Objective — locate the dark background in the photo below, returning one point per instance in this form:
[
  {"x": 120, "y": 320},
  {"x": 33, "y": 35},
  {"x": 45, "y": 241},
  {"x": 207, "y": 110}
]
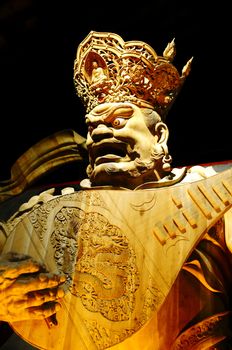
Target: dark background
[{"x": 38, "y": 42}]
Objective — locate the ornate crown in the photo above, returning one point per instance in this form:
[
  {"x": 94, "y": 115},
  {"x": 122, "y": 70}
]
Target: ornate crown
[{"x": 107, "y": 69}]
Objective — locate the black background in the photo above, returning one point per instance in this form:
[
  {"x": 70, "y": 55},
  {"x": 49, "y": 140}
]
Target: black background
[{"x": 38, "y": 42}]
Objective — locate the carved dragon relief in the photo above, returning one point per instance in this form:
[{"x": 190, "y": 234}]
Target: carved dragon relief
[
  {"x": 92, "y": 239},
  {"x": 99, "y": 261},
  {"x": 121, "y": 251}
]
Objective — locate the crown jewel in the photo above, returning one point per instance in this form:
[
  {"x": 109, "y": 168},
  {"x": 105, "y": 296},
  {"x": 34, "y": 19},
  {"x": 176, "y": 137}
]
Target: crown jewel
[{"x": 107, "y": 69}]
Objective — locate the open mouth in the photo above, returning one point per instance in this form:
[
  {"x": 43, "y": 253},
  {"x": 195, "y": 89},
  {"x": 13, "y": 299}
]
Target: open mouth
[{"x": 106, "y": 152}]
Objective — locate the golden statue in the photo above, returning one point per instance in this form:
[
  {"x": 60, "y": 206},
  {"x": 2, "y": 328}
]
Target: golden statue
[{"x": 140, "y": 256}]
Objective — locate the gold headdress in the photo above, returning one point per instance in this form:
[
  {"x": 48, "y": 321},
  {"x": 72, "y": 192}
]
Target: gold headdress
[{"x": 107, "y": 69}]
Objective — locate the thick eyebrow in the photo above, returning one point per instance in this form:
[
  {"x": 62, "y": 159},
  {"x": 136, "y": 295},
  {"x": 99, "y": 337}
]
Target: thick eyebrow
[{"x": 123, "y": 112}]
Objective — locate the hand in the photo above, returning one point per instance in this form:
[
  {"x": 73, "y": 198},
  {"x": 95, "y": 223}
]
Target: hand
[{"x": 27, "y": 291}]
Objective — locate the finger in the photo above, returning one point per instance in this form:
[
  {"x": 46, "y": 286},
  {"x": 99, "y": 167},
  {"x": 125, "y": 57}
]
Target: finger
[
  {"x": 39, "y": 298},
  {"x": 5, "y": 283},
  {"x": 13, "y": 270},
  {"x": 35, "y": 283},
  {"x": 44, "y": 311},
  {"x": 36, "y": 312}
]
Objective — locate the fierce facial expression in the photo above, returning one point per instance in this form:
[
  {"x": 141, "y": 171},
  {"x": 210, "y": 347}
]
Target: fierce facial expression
[{"x": 120, "y": 144}]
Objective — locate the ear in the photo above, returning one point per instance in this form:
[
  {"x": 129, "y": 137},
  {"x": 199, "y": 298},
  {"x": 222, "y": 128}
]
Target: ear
[{"x": 162, "y": 132}]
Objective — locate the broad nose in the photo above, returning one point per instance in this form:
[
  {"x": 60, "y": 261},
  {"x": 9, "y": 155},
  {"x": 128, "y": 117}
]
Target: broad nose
[{"x": 101, "y": 132}]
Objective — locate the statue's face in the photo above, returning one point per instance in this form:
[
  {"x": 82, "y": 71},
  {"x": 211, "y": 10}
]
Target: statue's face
[{"x": 120, "y": 144}]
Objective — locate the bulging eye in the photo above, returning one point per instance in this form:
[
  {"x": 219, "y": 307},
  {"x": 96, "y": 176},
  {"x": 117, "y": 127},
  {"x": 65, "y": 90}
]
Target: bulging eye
[{"x": 118, "y": 123}]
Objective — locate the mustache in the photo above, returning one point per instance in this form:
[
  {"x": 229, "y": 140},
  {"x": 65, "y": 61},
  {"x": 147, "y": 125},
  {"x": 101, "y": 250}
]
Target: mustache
[{"x": 132, "y": 169}]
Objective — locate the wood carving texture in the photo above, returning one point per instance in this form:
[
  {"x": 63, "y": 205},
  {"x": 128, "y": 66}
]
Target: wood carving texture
[
  {"x": 47, "y": 155},
  {"x": 121, "y": 251}
]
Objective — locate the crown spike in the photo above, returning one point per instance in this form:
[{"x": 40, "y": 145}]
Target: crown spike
[
  {"x": 187, "y": 68},
  {"x": 108, "y": 69},
  {"x": 170, "y": 51}
]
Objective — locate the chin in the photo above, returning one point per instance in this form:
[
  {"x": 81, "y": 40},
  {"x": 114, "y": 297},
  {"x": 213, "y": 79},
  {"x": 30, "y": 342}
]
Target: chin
[{"x": 120, "y": 175}]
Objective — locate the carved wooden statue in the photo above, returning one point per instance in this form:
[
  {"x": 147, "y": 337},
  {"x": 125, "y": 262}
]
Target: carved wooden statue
[{"x": 140, "y": 257}]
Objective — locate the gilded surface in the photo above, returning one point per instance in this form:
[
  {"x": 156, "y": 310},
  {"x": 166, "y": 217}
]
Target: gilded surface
[
  {"x": 147, "y": 265},
  {"x": 107, "y": 69},
  {"x": 120, "y": 261}
]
